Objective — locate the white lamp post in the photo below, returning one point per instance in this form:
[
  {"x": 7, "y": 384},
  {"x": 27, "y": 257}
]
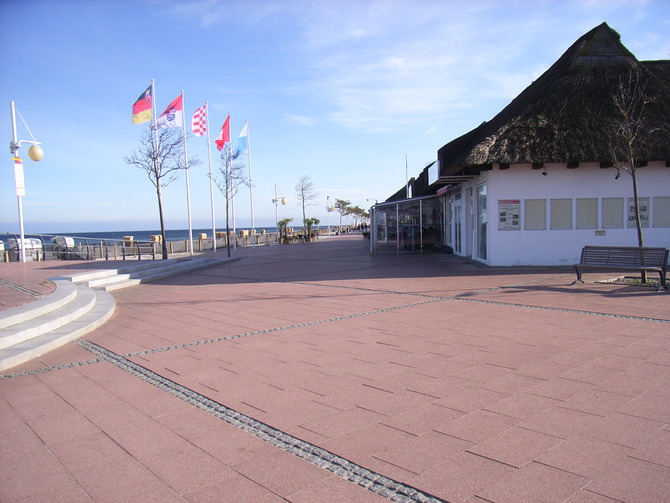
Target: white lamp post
[
  {"x": 35, "y": 153},
  {"x": 276, "y": 200},
  {"x": 329, "y": 208}
]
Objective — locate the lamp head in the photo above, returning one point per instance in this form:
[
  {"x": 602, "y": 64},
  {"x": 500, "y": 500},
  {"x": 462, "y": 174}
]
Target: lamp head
[
  {"x": 36, "y": 153},
  {"x": 283, "y": 200}
]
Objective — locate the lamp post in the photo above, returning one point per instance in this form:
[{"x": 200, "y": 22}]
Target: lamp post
[
  {"x": 276, "y": 200},
  {"x": 329, "y": 209},
  {"x": 35, "y": 153}
]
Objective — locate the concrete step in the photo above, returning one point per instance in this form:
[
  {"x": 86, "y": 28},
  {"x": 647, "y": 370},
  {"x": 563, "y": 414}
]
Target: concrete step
[
  {"x": 131, "y": 267},
  {"x": 32, "y": 348},
  {"x": 153, "y": 272},
  {"x": 83, "y": 301},
  {"x": 65, "y": 292}
]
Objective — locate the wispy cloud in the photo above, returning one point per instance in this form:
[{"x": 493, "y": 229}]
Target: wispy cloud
[
  {"x": 299, "y": 120},
  {"x": 395, "y": 63},
  {"x": 379, "y": 66}
]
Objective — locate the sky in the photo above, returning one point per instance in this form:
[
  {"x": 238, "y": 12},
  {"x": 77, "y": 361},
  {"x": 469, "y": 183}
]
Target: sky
[{"x": 354, "y": 94}]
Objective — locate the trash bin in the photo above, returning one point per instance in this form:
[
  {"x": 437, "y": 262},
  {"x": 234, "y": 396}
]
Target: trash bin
[{"x": 32, "y": 249}]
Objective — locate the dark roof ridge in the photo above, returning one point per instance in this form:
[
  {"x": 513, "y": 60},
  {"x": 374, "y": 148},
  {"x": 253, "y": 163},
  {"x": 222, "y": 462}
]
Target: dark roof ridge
[
  {"x": 600, "y": 45},
  {"x": 567, "y": 114}
]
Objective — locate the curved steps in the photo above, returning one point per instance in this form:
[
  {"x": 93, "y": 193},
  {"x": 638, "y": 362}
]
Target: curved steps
[
  {"x": 79, "y": 304},
  {"x": 53, "y": 322}
]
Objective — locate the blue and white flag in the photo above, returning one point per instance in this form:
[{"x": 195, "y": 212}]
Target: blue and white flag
[{"x": 243, "y": 139}]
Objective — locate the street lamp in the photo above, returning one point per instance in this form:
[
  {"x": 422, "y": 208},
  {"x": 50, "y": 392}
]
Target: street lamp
[
  {"x": 328, "y": 210},
  {"x": 276, "y": 200},
  {"x": 35, "y": 153}
]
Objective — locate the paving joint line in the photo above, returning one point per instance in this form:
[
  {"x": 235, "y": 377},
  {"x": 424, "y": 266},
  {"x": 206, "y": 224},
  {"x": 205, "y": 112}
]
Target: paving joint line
[
  {"x": 348, "y": 470},
  {"x": 19, "y": 288}
]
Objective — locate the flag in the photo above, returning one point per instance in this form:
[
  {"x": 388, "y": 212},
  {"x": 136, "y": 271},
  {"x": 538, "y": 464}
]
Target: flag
[
  {"x": 173, "y": 116},
  {"x": 199, "y": 121},
  {"x": 142, "y": 107},
  {"x": 224, "y": 134},
  {"x": 243, "y": 139}
]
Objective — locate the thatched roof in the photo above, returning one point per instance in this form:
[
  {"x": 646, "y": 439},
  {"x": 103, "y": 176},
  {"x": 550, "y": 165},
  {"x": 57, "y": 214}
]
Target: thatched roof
[{"x": 568, "y": 115}]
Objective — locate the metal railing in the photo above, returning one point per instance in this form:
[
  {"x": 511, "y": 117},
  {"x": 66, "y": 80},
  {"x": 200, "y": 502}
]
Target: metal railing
[{"x": 58, "y": 247}]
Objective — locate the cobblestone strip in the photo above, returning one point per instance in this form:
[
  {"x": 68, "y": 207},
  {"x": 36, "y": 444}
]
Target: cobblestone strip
[
  {"x": 225, "y": 338},
  {"x": 48, "y": 369},
  {"x": 19, "y": 288},
  {"x": 467, "y": 297},
  {"x": 564, "y": 310},
  {"x": 372, "y": 481},
  {"x": 286, "y": 327}
]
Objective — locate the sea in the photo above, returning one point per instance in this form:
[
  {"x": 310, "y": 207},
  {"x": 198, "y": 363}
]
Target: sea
[{"x": 170, "y": 234}]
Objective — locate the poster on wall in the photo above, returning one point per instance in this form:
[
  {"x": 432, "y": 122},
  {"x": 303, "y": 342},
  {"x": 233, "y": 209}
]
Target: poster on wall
[
  {"x": 643, "y": 203},
  {"x": 509, "y": 211}
]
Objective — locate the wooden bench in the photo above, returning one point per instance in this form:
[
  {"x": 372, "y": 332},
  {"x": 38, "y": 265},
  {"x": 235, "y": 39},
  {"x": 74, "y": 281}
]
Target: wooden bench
[{"x": 624, "y": 258}]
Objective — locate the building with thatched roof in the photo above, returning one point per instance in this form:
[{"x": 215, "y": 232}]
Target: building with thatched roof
[{"x": 551, "y": 172}]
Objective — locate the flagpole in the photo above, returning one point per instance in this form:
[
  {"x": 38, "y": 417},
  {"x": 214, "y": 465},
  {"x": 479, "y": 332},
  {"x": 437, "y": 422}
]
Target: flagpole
[
  {"x": 211, "y": 176},
  {"x": 188, "y": 185},
  {"x": 251, "y": 187},
  {"x": 153, "y": 119},
  {"x": 232, "y": 189},
  {"x": 153, "y": 115},
  {"x": 158, "y": 187}
]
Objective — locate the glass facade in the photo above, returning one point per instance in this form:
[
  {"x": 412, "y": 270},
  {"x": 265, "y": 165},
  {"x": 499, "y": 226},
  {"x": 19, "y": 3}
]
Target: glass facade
[{"x": 409, "y": 226}]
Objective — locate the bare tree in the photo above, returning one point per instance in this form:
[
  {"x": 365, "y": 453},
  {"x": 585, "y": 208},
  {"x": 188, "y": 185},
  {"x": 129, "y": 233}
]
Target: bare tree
[
  {"x": 633, "y": 132},
  {"x": 306, "y": 194},
  {"x": 229, "y": 177},
  {"x": 161, "y": 156}
]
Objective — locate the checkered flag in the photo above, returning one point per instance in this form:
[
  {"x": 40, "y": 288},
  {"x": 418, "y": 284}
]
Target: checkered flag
[{"x": 199, "y": 121}]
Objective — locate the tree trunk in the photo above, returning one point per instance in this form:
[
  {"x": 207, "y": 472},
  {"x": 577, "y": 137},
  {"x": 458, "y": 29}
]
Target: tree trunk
[
  {"x": 160, "y": 216},
  {"x": 228, "y": 228},
  {"x": 638, "y": 220}
]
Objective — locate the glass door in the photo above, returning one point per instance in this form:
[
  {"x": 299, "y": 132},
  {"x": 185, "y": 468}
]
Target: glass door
[
  {"x": 482, "y": 222},
  {"x": 457, "y": 228}
]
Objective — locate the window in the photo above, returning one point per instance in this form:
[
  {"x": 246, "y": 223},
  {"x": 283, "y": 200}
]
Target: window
[
  {"x": 612, "y": 210},
  {"x": 535, "y": 214},
  {"x": 661, "y": 212},
  {"x": 561, "y": 214},
  {"x": 587, "y": 213}
]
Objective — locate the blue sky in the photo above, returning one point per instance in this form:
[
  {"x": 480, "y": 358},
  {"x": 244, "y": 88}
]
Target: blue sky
[{"x": 340, "y": 91}]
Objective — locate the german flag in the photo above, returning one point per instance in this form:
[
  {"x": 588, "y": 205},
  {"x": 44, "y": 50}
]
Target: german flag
[{"x": 142, "y": 107}]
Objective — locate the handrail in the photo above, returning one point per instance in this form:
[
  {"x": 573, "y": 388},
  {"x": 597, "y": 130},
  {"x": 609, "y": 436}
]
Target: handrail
[{"x": 91, "y": 248}]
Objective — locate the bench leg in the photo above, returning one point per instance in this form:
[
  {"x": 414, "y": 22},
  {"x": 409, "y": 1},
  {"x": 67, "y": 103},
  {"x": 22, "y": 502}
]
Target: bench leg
[{"x": 579, "y": 276}]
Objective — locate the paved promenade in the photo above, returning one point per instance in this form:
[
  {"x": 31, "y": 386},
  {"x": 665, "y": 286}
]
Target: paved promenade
[{"x": 316, "y": 373}]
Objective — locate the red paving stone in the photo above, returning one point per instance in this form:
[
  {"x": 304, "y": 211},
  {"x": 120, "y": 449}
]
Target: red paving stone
[{"x": 472, "y": 384}]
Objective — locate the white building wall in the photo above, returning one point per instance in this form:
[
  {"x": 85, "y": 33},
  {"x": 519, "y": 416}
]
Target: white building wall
[{"x": 563, "y": 247}]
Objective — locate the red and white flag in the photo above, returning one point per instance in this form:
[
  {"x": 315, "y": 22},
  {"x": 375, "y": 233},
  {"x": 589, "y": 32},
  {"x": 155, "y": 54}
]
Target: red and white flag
[
  {"x": 224, "y": 134},
  {"x": 199, "y": 121},
  {"x": 173, "y": 116}
]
